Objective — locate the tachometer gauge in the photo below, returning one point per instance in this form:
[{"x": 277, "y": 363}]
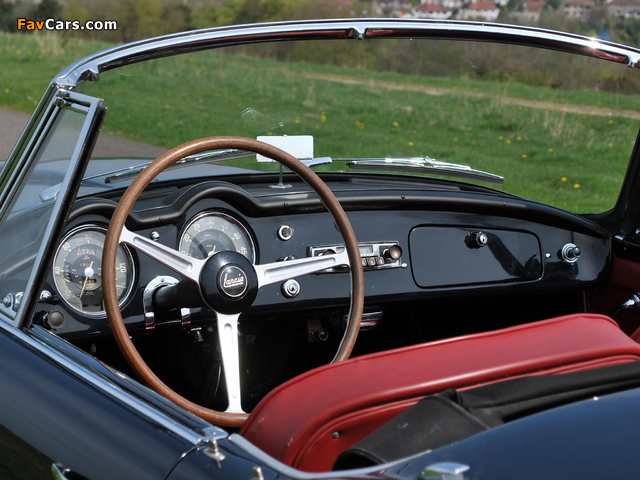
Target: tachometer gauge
[
  {"x": 77, "y": 270},
  {"x": 213, "y": 232}
]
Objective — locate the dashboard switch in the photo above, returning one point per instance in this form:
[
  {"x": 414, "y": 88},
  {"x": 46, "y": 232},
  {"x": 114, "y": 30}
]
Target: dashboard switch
[{"x": 570, "y": 253}]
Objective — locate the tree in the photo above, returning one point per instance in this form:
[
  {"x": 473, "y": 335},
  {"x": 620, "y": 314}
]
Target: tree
[
  {"x": 46, "y": 9},
  {"x": 7, "y": 17}
]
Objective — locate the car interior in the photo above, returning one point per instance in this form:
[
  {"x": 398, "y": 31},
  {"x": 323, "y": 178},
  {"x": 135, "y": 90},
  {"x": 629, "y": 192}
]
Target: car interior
[{"x": 464, "y": 284}]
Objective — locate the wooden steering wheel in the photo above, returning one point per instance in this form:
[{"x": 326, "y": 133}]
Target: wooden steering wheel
[{"x": 227, "y": 282}]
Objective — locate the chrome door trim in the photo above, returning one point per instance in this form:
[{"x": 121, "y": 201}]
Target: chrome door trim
[{"x": 90, "y": 67}]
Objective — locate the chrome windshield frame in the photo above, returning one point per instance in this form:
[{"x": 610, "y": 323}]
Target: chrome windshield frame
[{"x": 90, "y": 67}]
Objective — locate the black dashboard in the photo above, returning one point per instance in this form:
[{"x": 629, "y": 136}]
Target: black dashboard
[{"x": 417, "y": 241}]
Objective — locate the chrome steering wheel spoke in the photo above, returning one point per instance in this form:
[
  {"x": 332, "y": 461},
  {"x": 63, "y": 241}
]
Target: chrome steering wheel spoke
[
  {"x": 184, "y": 265},
  {"x": 228, "y": 338},
  {"x": 275, "y": 272}
]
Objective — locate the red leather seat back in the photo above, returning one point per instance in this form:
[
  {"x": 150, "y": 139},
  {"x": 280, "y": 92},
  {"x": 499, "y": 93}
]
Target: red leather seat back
[{"x": 309, "y": 420}]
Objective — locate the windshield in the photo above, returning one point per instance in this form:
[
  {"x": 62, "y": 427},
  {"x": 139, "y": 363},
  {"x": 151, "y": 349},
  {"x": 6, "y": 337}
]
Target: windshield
[{"x": 560, "y": 128}]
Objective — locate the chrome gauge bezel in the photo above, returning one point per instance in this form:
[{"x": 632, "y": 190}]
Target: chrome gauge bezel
[
  {"x": 127, "y": 252},
  {"x": 231, "y": 218}
]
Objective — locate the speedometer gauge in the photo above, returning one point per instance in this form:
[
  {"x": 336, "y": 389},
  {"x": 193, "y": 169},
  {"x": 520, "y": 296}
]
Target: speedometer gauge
[
  {"x": 213, "y": 232},
  {"x": 77, "y": 270}
]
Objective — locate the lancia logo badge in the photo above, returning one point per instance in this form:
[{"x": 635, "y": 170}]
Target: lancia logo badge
[{"x": 232, "y": 281}]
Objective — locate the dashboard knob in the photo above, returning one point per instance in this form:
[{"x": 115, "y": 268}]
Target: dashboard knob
[
  {"x": 570, "y": 253},
  {"x": 392, "y": 253},
  {"x": 322, "y": 334},
  {"x": 290, "y": 288}
]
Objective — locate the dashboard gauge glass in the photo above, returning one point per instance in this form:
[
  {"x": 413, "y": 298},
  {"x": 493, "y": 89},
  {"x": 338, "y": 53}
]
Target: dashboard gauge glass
[
  {"x": 213, "y": 232},
  {"x": 77, "y": 271}
]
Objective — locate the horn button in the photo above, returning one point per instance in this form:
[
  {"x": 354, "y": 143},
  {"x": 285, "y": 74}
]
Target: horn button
[{"x": 228, "y": 282}]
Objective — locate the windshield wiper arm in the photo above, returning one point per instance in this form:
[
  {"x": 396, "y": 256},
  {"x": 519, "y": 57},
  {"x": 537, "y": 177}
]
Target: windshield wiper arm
[
  {"x": 217, "y": 156},
  {"x": 127, "y": 173},
  {"x": 422, "y": 165}
]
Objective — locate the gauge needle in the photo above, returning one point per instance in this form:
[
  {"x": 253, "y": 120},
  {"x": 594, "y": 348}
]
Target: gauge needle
[
  {"x": 213, "y": 251},
  {"x": 85, "y": 282}
]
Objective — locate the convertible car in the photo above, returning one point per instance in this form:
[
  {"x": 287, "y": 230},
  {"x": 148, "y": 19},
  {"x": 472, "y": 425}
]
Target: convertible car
[{"x": 367, "y": 249}]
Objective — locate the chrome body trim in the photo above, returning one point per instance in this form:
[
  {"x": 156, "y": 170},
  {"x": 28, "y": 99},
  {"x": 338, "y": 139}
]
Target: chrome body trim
[
  {"x": 379, "y": 471},
  {"x": 90, "y": 67}
]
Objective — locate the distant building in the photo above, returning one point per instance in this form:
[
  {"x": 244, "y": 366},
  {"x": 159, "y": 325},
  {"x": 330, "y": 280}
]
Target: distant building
[
  {"x": 578, "y": 9},
  {"x": 448, "y": 4},
  {"x": 624, "y": 9},
  {"x": 530, "y": 12},
  {"x": 499, "y": 3},
  {"x": 431, "y": 10},
  {"x": 392, "y": 8},
  {"x": 481, "y": 10}
]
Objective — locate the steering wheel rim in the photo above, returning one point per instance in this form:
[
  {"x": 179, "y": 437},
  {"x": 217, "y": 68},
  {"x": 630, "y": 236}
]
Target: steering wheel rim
[{"x": 266, "y": 274}]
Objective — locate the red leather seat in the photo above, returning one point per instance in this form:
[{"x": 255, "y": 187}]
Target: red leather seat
[{"x": 309, "y": 420}]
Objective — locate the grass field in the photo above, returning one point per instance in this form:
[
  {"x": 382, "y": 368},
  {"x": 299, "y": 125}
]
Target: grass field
[{"x": 566, "y": 148}]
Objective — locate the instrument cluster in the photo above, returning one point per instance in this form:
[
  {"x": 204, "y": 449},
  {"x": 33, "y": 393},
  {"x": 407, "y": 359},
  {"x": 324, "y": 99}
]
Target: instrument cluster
[{"x": 77, "y": 264}]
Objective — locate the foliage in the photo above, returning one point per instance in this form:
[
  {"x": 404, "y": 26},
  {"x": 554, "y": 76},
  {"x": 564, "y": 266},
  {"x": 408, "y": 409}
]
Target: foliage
[{"x": 7, "y": 17}]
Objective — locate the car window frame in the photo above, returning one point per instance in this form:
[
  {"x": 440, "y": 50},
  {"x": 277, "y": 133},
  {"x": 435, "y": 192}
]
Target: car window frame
[{"x": 20, "y": 163}]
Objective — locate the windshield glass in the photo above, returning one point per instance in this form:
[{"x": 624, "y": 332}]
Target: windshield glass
[{"x": 560, "y": 128}]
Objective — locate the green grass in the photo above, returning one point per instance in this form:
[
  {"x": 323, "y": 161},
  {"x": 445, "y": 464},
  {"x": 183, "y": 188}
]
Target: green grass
[{"x": 572, "y": 160}]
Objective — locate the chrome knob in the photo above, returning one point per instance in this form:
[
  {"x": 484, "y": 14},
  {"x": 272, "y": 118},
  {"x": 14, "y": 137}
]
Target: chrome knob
[
  {"x": 392, "y": 253},
  {"x": 570, "y": 253},
  {"x": 285, "y": 232},
  {"x": 290, "y": 288}
]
